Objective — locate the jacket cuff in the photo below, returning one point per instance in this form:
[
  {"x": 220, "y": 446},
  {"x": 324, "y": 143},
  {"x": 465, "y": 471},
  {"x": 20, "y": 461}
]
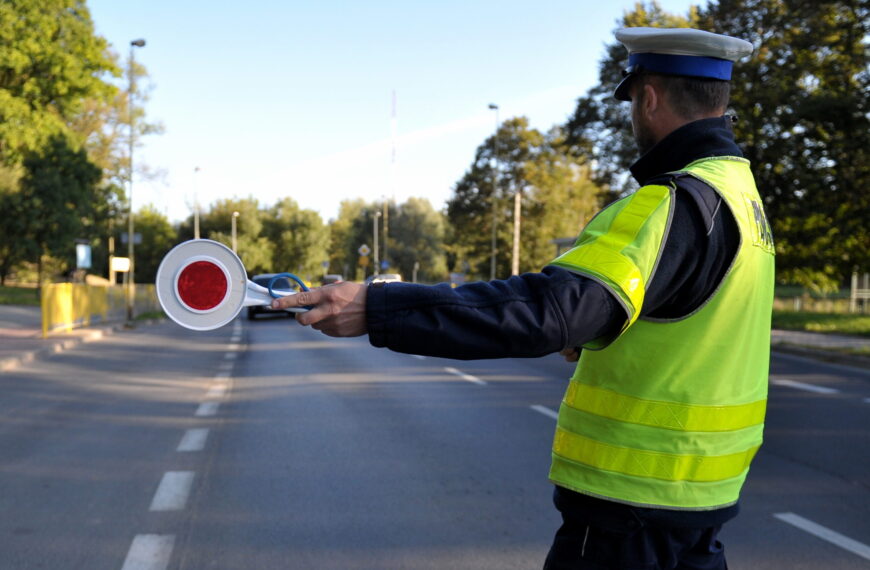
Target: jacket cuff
[{"x": 376, "y": 314}]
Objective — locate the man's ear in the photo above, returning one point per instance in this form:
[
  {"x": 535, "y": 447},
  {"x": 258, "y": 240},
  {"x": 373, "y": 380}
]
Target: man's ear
[{"x": 651, "y": 101}]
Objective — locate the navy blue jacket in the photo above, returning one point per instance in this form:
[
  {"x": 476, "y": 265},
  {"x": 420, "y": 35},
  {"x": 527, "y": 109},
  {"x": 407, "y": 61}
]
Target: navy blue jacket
[{"x": 535, "y": 314}]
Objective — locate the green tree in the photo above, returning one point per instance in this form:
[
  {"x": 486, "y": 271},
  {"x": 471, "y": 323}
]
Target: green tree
[
  {"x": 299, "y": 237},
  {"x": 557, "y": 198},
  {"x": 561, "y": 198},
  {"x": 804, "y": 105},
  {"x": 254, "y": 249},
  {"x": 416, "y": 236},
  {"x": 158, "y": 237},
  {"x": 15, "y": 246},
  {"x": 600, "y": 126},
  {"x": 351, "y": 229},
  {"x": 50, "y": 62},
  {"x": 58, "y": 193},
  {"x": 803, "y": 102},
  {"x": 103, "y": 125}
]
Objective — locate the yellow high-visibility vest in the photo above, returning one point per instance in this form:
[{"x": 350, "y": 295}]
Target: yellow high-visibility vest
[{"x": 670, "y": 413}]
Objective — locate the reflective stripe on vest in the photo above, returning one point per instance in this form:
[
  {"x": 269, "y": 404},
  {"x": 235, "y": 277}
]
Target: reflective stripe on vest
[
  {"x": 668, "y": 415},
  {"x": 644, "y": 463}
]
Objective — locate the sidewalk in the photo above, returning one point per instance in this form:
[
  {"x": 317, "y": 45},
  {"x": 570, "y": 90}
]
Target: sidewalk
[
  {"x": 21, "y": 340},
  {"x": 823, "y": 346},
  {"x": 21, "y": 336}
]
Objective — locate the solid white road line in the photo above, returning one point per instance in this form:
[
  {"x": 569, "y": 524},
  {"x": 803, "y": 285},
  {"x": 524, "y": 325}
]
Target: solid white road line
[
  {"x": 464, "y": 376},
  {"x": 825, "y": 533},
  {"x": 172, "y": 492},
  {"x": 207, "y": 409},
  {"x": 149, "y": 552},
  {"x": 546, "y": 411},
  {"x": 216, "y": 391},
  {"x": 193, "y": 440},
  {"x": 806, "y": 387}
]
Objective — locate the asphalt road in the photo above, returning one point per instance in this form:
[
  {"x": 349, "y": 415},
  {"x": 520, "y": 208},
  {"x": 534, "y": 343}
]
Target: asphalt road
[{"x": 266, "y": 445}]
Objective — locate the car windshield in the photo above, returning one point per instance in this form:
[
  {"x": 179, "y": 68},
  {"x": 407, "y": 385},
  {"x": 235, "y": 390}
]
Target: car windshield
[{"x": 281, "y": 284}]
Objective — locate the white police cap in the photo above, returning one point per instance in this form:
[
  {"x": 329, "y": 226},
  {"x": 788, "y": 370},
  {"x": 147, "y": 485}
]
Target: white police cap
[{"x": 678, "y": 51}]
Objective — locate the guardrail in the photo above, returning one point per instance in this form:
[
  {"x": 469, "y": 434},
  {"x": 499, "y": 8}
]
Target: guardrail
[{"x": 66, "y": 306}]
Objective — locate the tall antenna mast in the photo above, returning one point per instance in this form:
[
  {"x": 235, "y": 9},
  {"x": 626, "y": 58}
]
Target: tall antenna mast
[{"x": 393, "y": 131}]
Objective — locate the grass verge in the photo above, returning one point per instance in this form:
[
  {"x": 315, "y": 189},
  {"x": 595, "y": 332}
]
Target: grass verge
[
  {"x": 10, "y": 295},
  {"x": 150, "y": 315},
  {"x": 853, "y": 324}
]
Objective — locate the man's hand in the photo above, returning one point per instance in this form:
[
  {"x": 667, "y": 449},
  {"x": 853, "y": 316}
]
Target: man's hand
[
  {"x": 571, "y": 354},
  {"x": 339, "y": 309}
]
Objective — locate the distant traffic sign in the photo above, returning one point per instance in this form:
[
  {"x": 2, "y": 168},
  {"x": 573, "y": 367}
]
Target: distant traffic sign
[{"x": 364, "y": 250}]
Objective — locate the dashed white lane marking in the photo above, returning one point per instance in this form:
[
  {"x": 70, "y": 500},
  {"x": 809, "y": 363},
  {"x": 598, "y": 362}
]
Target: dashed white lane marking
[
  {"x": 216, "y": 391},
  {"x": 419, "y": 356},
  {"x": 236, "y": 338},
  {"x": 805, "y": 387},
  {"x": 173, "y": 490},
  {"x": 546, "y": 411},
  {"x": 207, "y": 409},
  {"x": 825, "y": 533},
  {"x": 464, "y": 376},
  {"x": 222, "y": 376},
  {"x": 226, "y": 366},
  {"x": 149, "y": 552},
  {"x": 193, "y": 440},
  {"x": 230, "y": 356}
]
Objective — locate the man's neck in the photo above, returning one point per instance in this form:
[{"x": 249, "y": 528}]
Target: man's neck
[{"x": 686, "y": 144}]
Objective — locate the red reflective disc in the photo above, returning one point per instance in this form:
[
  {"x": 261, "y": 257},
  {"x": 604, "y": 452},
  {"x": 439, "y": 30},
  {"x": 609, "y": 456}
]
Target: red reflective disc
[{"x": 202, "y": 285}]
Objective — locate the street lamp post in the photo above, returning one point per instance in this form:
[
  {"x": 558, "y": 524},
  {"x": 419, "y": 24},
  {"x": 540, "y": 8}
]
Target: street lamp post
[
  {"x": 132, "y": 84},
  {"x": 494, "y": 107},
  {"x": 386, "y": 227},
  {"x": 375, "y": 258},
  {"x": 235, "y": 248}
]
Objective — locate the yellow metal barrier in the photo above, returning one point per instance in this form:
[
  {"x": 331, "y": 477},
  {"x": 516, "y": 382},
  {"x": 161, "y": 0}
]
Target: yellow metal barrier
[{"x": 66, "y": 306}]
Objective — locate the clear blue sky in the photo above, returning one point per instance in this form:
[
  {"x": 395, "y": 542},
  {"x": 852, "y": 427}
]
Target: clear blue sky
[{"x": 291, "y": 98}]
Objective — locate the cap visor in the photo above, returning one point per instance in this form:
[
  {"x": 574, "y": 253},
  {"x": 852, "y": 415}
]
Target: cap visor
[{"x": 622, "y": 92}]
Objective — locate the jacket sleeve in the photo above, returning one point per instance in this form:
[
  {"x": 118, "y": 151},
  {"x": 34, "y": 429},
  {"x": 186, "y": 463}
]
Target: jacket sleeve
[{"x": 528, "y": 315}]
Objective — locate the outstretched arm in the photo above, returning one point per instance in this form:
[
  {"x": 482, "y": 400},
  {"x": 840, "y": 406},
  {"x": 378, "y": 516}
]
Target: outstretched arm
[{"x": 525, "y": 316}]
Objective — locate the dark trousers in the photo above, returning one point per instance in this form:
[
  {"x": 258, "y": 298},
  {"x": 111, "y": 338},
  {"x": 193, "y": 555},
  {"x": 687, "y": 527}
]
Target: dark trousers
[{"x": 634, "y": 544}]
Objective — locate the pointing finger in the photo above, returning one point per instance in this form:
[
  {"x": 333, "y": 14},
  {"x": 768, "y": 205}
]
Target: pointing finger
[{"x": 301, "y": 299}]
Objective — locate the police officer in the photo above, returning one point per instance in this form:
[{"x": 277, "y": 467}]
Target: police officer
[{"x": 669, "y": 290}]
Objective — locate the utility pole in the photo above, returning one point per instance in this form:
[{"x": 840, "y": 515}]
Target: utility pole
[
  {"x": 386, "y": 227},
  {"x": 375, "y": 232},
  {"x": 130, "y": 234},
  {"x": 515, "y": 261},
  {"x": 494, "y": 107}
]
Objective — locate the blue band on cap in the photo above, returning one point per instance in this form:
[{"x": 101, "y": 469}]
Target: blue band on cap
[{"x": 690, "y": 65}]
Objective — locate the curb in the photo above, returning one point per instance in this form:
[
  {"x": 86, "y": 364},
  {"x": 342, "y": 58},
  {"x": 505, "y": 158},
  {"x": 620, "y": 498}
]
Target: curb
[
  {"x": 88, "y": 335},
  {"x": 829, "y": 356}
]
